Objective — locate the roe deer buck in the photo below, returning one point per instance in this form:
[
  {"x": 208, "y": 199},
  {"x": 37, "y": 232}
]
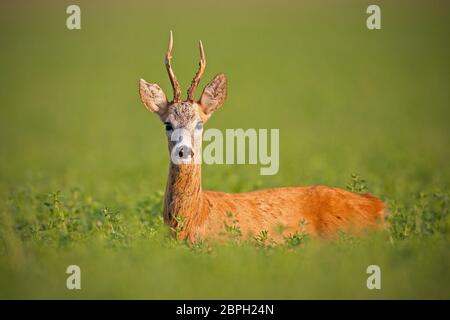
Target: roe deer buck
[{"x": 204, "y": 214}]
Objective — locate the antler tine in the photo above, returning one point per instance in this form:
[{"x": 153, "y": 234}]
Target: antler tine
[
  {"x": 198, "y": 75},
  {"x": 172, "y": 77}
]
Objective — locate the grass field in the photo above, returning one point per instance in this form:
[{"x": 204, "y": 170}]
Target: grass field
[{"x": 83, "y": 165}]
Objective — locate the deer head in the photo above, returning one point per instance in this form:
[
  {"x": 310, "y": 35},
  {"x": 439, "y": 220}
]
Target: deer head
[{"x": 184, "y": 119}]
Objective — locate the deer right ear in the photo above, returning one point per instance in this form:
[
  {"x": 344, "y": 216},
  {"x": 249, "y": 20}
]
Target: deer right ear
[{"x": 152, "y": 97}]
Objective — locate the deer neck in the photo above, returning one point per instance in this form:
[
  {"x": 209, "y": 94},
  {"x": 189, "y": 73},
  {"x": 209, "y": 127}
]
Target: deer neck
[{"x": 183, "y": 199}]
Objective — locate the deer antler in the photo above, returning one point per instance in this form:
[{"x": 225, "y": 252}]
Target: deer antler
[
  {"x": 172, "y": 77},
  {"x": 198, "y": 75}
]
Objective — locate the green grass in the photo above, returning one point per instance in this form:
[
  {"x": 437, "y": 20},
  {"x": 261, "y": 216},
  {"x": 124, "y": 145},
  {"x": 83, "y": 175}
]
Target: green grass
[{"x": 83, "y": 164}]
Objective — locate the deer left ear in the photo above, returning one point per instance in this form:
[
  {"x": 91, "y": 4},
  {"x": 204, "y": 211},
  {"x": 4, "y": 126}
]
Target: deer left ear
[{"x": 214, "y": 94}]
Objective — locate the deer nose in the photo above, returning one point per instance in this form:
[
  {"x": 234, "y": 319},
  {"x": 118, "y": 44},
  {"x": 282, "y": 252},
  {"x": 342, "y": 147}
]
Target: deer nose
[{"x": 184, "y": 152}]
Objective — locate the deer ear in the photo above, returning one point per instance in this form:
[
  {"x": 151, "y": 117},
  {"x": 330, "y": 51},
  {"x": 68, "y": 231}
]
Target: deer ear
[
  {"x": 152, "y": 97},
  {"x": 214, "y": 94}
]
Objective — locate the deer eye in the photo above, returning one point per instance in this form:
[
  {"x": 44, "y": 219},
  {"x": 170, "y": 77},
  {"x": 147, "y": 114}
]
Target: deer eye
[
  {"x": 169, "y": 126},
  {"x": 199, "y": 126}
]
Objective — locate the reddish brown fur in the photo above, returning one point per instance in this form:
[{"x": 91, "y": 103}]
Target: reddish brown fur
[{"x": 279, "y": 211}]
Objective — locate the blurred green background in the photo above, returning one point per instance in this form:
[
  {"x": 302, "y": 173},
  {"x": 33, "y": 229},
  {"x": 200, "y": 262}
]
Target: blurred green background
[{"x": 346, "y": 100}]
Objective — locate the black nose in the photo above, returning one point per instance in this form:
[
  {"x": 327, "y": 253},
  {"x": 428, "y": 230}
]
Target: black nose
[{"x": 184, "y": 152}]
